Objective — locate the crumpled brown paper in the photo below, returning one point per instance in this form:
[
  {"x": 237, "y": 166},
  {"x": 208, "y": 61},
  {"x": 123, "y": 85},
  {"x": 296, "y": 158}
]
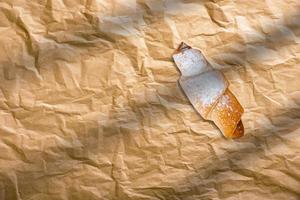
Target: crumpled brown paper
[{"x": 91, "y": 109}]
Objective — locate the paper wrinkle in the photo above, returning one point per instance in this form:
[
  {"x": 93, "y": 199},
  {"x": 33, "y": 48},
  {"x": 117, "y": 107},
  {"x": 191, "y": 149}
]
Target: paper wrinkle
[{"x": 90, "y": 107}]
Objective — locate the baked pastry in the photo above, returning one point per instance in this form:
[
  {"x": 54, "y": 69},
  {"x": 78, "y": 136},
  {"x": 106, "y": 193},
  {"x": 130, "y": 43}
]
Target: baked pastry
[{"x": 207, "y": 90}]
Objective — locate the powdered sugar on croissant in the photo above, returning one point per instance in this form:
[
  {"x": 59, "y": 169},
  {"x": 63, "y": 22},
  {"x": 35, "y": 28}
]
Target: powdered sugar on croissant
[
  {"x": 203, "y": 90},
  {"x": 207, "y": 90}
]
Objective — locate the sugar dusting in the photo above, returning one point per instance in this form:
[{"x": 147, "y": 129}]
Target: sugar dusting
[
  {"x": 224, "y": 102},
  {"x": 202, "y": 85},
  {"x": 191, "y": 62},
  {"x": 205, "y": 89}
]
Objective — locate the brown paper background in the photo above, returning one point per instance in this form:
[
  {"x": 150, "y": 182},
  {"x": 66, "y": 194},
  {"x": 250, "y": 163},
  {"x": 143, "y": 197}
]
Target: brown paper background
[{"x": 90, "y": 107}]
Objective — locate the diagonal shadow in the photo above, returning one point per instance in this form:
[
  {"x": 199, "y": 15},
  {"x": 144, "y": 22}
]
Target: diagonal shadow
[{"x": 262, "y": 140}]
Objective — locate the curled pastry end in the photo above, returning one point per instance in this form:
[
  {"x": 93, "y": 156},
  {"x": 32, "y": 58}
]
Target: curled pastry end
[
  {"x": 239, "y": 130},
  {"x": 183, "y": 46}
]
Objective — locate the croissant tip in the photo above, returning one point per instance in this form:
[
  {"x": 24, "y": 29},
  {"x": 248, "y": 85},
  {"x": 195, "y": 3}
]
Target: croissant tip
[
  {"x": 239, "y": 131},
  {"x": 183, "y": 46}
]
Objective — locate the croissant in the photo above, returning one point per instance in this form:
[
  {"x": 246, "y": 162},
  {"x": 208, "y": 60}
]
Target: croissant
[{"x": 207, "y": 90}]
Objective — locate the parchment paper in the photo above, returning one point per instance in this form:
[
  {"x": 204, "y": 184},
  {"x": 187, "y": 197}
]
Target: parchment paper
[{"x": 90, "y": 107}]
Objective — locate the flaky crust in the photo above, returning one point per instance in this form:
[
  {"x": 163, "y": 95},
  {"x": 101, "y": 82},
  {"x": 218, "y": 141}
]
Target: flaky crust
[{"x": 227, "y": 114}]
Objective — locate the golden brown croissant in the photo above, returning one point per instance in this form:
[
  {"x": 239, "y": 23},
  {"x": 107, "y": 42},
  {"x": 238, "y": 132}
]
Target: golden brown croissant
[{"x": 207, "y": 90}]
